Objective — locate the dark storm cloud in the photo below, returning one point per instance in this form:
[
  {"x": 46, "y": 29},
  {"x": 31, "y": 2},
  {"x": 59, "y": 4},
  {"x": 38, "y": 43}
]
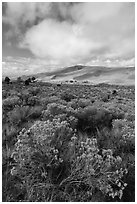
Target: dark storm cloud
[{"x": 4, "y": 5}]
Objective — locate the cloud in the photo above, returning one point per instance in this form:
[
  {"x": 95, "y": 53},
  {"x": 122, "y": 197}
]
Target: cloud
[
  {"x": 60, "y": 41},
  {"x": 22, "y": 13},
  {"x": 94, "y": 12},
  {"x": 71, "y": 33},
  {"x": 17, "y": 66},
  {"x": 111, "y": 63}
]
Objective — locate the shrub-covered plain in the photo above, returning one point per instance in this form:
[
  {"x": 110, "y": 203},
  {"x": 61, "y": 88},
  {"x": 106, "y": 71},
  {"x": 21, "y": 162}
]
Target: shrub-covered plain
[{"x": 71, "y": 143}]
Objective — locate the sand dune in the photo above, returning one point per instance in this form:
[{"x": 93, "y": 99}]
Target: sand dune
[{"x": 93, "y": 74}]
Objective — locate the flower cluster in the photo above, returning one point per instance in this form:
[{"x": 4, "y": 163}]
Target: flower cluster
[
  {"x": 97, "y": 169},
  {"x": 61, "y": 112},
  {"x": 125, "y": 129},
  {"x": 41, "y": 147}
]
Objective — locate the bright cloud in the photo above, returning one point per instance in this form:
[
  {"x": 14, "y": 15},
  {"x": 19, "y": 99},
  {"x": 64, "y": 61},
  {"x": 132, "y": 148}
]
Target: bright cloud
[
  {"x": 58, "y": 41},
  {"x": 18, "y": 66}
]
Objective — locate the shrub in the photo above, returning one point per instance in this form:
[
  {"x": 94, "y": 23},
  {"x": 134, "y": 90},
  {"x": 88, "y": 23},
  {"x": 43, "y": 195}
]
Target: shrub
[
  {"x": 92, "y": 100},
  {"x": 22, "y": 114},
  {"x": 50, "y": 158},
  {"x": 19, "y": 115},
  {"x": 105, "y": 98},
  {"x": 25, "y": 94},
  {"x": 83, "y": 102},
  {"x": 9, "y": 134},
  {"x": 35, "y": 112},
  {"x": 44, "y": 102},
  {"x": 34, "y": 91},
  {"x": 54, "y": 99},
  {"x": 71, "y": 81},
  {"x": 123, "y": 134},
  {"x": 129, "y": 192},
  {"x": 73, "y": 104},
  {"x": 5, "y": 94},
  {"x": 43, "y": 150},
  {"x": 33, "y": 100},
  {"x": 19, "y": 80},
  {"x": 33, "y": 78},
  {"x": 114, "y": 92},
  {"x": 90, "y": 119},
  {"x": 27, "y": 81},
  {"x": 7, "y": 80},
  {"x": 10, "y": 102},
  {"x": 89, "y": 166},
  {"x": 67, "y": 96},
  {"x": 121, "y": 138},
  {"x": 116, "y": 111},
  {"x": 13, "y": 93},
  {"x": 130, "y": 117},
  {"x": 10, "y": 184},
  {"x": 54, "y": 109}
]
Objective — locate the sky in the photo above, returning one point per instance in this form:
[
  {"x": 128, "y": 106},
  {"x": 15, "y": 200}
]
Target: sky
[{"x": 44, "y": 36}]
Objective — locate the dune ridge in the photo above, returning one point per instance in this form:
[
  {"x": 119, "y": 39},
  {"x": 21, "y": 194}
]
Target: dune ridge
[{"x": 92, "y": 74}]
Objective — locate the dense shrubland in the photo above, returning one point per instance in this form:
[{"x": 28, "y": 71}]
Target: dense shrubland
[{"x": 68, "y": 143}]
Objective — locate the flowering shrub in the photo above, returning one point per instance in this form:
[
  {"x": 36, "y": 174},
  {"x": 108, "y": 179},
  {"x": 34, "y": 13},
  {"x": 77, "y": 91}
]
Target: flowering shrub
[
  {"x": 126, "y": 127},
  {"x": 41, "y": 151},
  {"x": 124, "y": 137},
  {"x": 121, "y": 138},
  {"x": 120, "y": 111},
  {"x": 123, "y": 134},
  {"x": 54, "y": 109},
  {"x": 101, "y": 171},
  {"x": 50, "y": 154},
  {"x": 61, "y": 112}
]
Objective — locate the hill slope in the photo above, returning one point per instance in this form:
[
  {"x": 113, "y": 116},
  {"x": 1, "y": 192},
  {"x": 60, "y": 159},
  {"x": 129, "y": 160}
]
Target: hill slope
[{"x": 93, "y": 74}]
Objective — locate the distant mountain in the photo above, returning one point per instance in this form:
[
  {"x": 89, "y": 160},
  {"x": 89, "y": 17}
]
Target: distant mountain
[{"x": 93, "y": 74}]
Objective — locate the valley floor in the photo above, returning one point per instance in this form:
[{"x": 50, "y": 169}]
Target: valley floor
[{"x": 68, "y": 142}]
